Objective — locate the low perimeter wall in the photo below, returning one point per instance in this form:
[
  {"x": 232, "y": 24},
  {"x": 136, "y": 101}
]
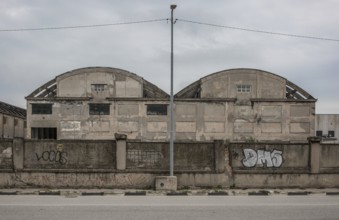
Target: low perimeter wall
[{"x": 132, "y": 164}]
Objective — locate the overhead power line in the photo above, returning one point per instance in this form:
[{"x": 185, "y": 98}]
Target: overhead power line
[
  {"x": 259, "y": 31},
  {"x": 82, "y": 26},
  {"x": 166, "y": 19}
]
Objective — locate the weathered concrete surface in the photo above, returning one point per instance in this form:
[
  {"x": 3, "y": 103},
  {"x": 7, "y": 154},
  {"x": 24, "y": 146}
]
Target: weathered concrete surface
[
  {"x": 329, "y": 162},
  {"x": 18, "y": 155},
  {"x": 270, "y": 158},
  {"x": 286, "y": 180},
  {"x": 69, "y": 154},
  {"x": 76, "y": 180},
  {"x": 101, "y": 179},
  {"x": 204, "y": 180},
  {"x": 166, "y": 183},
  {"x": 189, "y": 156},
  {"x": 6, "y": 154},
  {"x": 121, "y": 151}
]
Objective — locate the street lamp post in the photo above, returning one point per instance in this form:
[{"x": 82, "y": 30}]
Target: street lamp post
[{"x": 171, "y": 98}]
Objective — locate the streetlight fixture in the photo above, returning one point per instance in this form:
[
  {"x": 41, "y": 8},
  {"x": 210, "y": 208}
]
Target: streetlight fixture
[
  {"x": 169, "y": 182},
  {"x": 171, "y": 98}
]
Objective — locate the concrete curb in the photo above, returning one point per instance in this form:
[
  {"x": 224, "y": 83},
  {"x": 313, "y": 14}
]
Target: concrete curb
[{"x": 198, "y": 192}]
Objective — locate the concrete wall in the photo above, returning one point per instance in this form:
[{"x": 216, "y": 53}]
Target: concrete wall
[
  {"x": 189, "y": 157},
  {"x": 270, "y": 158},
  {"x": 6, "y": 154},
  {"x": 326, "y": 123},
  {"x": 69, "y": 155},
  {"x": 27, "y": 163},
  {"x": 11, "y": 127}
]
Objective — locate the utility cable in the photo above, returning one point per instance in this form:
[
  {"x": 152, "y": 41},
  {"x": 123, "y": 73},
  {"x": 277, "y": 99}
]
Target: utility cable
[
  {"x": 259, "y": 31},
  {"x": 166, "y": 19},
  {"x": 82, "y": 26}
]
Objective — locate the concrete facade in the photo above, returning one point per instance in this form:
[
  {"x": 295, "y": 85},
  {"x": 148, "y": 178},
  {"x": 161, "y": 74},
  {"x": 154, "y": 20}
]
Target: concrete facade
[
  {"x": 234, "y": 105},
  {"x": 12, "y": 121},
  {"x": 327, "y": 127}
]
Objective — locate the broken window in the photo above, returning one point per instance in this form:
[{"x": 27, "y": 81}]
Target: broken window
[
  {"x": 319, "y": 133},
  {"x": 157, "y": 109},
  {"x": 99, "y": 109},
  {"x": 244, "y": 88},
  {"x": 98, "y": 87},
  {"x": 331, "y": 134},
  {"x": 41, "y": 109},
  {"x": 44, "y": 133},
  {"x": 4, "y": 120},
  {"x": 16, "y": 122}
]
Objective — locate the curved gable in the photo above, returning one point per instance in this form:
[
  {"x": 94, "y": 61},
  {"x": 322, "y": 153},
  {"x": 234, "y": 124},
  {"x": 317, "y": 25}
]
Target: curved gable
[
  {"x": 81, "y": 83},
  {"x": 243, "y": 83}
]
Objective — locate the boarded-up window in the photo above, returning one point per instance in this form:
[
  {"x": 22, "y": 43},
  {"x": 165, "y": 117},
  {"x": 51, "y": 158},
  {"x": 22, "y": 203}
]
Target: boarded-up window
[
  {"x": 41, "y": 109},
  {"x": 157, "y": 109},
  {"x": 99, "y": 109},
  {"x": 44, "y": 133}
]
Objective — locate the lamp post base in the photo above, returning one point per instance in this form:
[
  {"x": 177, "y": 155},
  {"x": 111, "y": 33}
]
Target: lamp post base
[{"x": 166, "y": 183}]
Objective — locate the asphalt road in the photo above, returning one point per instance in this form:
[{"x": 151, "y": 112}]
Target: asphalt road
[{"x": 168, "y": 207}]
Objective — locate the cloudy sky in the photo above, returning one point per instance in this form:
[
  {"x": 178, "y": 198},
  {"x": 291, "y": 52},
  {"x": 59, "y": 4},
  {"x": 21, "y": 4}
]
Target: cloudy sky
[{"x": 28, "y": 59}]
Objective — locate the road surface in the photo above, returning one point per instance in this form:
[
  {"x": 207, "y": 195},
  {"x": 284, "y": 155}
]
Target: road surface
[{"x": 168, "y": 207}]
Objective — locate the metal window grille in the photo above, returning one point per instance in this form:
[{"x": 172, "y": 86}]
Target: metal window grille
[
  {"x": 98, "y": 87},
  {"x": 144, "y": 158},
  {"x": 244, "y": 88}
]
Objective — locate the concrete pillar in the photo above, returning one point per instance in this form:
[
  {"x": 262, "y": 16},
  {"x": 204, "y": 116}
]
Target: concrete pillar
[
  {"x": 18, "y": 153},
  {"x": 219, "y": 156},
  {"x": 315, "y": 151},
  {"x": 121, "y": 151}
]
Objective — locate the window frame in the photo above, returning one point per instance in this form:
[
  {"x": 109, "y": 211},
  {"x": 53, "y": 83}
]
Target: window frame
[
  {"x": 99, "y": 87},
  {"x": 332, "y": 132},
  {"x": 319, "y": 133},
  {"x": 244, "y": 88}
]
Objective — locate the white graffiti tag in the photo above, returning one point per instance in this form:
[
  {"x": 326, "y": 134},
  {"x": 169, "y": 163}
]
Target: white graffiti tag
[{"x": 262, "y": 158}]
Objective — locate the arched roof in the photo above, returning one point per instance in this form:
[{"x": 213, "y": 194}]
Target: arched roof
[
  {"x": 49, "y": 89},
  {"x": 292, "y": 91}
]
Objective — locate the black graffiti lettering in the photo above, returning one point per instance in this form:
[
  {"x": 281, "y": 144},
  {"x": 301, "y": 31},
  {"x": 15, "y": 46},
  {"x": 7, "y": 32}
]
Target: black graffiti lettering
[{"x": 53, "y": 156}]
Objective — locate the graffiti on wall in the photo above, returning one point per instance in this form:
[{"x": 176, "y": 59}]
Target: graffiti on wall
[
  {"x": 57, "y": 156},
  {"x": 262, "y": 158},
  {"x": 6, "y": 154}
]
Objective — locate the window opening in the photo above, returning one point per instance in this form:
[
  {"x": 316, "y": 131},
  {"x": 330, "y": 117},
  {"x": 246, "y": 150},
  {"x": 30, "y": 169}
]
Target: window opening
[
  {"x": 331, "y": 133},
  {"x": 41, "y": 109},
  {"x": 157, "y": 109},
  {"x": 319, "y": 133},
  {"x": 44, "y": 133},
  {"x": 99, "y": 109},
  {"x": 244, "y": 88},
  {"x": 98, "y": 87}
]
